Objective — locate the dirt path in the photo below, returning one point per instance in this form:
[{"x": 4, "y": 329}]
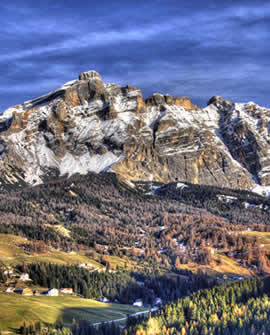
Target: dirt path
[{"x": 125, "y": 318}]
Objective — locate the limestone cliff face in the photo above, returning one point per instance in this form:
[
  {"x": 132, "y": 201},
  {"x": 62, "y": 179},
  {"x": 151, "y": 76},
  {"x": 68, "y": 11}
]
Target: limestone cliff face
[
  {"x": 245, "y": 128},
  {"x": 87, "y": 125}
]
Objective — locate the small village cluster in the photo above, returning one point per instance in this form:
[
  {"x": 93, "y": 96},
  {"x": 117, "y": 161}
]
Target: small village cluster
[{"x": 53, "y": 292}]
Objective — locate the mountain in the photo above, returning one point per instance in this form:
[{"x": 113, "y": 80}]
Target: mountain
[{"x": 87, "y": 125}]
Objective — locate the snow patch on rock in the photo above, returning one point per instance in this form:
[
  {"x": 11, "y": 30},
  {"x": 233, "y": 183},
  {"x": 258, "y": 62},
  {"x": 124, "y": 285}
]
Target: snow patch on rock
[
  {"x": 86, "y": 163},
  {"x": 181, "y": 186},
  {"x": 262, "y": 190}
]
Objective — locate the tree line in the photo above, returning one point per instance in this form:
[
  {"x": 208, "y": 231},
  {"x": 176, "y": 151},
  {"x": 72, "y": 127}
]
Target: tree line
[{"x": 120, "y": 286}]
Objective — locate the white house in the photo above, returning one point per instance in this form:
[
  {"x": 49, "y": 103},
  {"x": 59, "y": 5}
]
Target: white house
[
  {"x": 86, "y": 265},
  {"x": 104, "y": 299},
  {"x": 138, "y": 303},
  {"x": 66, "y": 290},
  {"x": 8, "y": 272},
  {"x": 24, "y": 277},
  {"x": 53, "y": 292}
]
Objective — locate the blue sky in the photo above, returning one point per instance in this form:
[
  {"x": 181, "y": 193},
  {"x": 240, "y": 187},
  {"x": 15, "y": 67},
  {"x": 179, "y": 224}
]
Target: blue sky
[{"x": 183, "y": 48}]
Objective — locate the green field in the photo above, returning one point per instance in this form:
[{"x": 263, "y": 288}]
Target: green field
[
  {"x": 11, "y": 253},
  {"x": 16, "y": 309}
]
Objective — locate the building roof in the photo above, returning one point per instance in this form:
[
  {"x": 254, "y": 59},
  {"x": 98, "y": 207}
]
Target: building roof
[{"x": 23, "y": 290}]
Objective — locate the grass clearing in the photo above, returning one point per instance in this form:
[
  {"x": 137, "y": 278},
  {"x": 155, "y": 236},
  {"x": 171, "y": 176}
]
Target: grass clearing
[
  {"x": 115, "y": 260},
  {"x": 229, "y": 266},
  {"x": 220, "y": 265},
  {"x": 9, "y": 245},
  {"x": 16, "y": 309},
  {"x": 262, "y": 237},
  {"x": 60, "y": 229}
]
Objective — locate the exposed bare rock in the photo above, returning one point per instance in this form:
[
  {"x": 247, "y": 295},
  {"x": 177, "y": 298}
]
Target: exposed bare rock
[
  {"x": 90, "y": 75},
  {"x": 87, "y": 125}
]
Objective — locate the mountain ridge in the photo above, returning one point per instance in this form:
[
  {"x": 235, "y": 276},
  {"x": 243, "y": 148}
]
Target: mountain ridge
[{"x": 88, "y": 126}]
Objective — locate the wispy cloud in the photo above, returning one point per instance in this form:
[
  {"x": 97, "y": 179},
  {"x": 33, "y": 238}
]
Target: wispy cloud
[
  {"x": 181, "y": 48},
  {"x": 91, "y": 39}
]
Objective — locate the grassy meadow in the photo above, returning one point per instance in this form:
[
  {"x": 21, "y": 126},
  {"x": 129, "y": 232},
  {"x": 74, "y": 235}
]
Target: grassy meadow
[{"x": 50, "y": 309}]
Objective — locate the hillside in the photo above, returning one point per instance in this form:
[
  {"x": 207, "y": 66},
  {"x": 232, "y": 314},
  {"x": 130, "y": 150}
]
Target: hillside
[{"x": 98, "y": 223}]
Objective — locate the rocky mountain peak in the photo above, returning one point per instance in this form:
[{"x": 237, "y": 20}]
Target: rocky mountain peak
[
  {"x": 162, "y": 99},
  {"x": 89, "y": 75},
  {"x": 220, "y": 103},
  {"x": 87, "y": 125}
]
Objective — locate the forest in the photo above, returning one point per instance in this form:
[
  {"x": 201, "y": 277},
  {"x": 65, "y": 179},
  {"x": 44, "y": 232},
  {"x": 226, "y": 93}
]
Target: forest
[
  {"x": 102, "y": 213},
  {"x": 242, "y": 307}
]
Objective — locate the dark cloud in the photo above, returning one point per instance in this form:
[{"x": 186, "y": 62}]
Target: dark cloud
[{"x": 176, "y": 47}]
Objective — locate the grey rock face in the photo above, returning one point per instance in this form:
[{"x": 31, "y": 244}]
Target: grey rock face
[
  {"x": 87, "y": 125},
  {"x": 89, "y": 75}
]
